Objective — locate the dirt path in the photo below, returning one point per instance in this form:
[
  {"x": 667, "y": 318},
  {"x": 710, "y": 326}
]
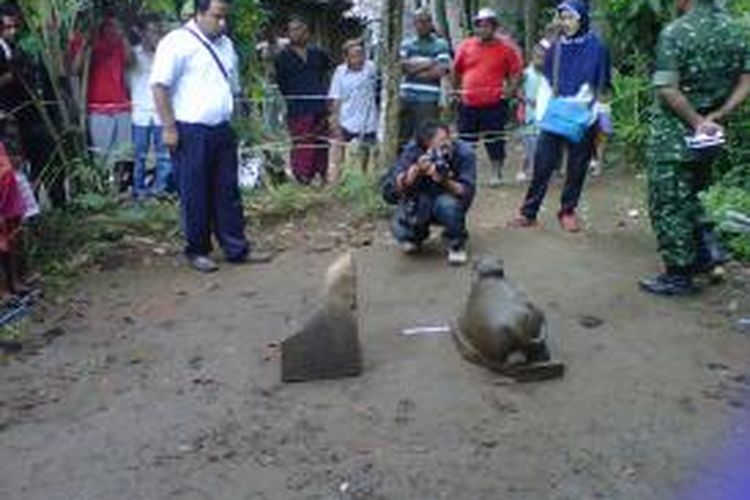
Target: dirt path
[{"x": 159, "y": 388}]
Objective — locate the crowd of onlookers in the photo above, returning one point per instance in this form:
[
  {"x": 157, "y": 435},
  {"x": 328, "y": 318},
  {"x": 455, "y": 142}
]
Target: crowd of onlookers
[
  {"x": 123, "y": 127},
  {"x": 171, "y": 98}
]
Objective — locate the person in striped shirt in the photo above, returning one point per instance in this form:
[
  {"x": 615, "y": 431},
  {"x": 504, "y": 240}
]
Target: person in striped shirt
[{"x": 425, "y": 60}]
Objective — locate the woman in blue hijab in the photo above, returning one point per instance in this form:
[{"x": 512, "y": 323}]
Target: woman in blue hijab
[{"x": 577, "y": 65}]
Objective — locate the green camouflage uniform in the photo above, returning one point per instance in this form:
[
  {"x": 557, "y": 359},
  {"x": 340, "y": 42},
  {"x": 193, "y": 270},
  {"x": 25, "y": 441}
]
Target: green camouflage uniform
[{"x": 704, "y": 53}]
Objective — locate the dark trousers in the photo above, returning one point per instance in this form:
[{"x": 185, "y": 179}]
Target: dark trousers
[
  {"x": 549, "y": 150},
  {"x": 445, "y": 211},
  {"x": 205, "y": 166},
  {"x": 487, "y": 123},
  {"x": 366, "y": 137},
  {"x": 309, "y": 155},
  {"x": 414, "y": 114}
]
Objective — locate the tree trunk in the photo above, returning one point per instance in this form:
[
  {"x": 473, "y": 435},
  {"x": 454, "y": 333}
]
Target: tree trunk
[
  {"x": 531, "y": 23},
  {"x": 392, "y": 29},
  {"x": 441, "y": 16}
]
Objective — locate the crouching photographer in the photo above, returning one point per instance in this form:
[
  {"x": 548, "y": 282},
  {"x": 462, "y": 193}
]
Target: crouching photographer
[{"x": 432, "y": 183}]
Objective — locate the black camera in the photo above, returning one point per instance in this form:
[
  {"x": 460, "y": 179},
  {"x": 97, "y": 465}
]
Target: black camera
[{"x": 441, "y": 158}]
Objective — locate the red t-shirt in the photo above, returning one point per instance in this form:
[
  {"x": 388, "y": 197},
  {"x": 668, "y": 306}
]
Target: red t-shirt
[
  {"x": 107, "y": 90},
  {"x": 484, "y": 67}
]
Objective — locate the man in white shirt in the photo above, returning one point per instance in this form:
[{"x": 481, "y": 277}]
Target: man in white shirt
[
  {"x": 353, "y": 98},
  {"x": 147, "y": 129},
  {"x": 194, "y": 80}
]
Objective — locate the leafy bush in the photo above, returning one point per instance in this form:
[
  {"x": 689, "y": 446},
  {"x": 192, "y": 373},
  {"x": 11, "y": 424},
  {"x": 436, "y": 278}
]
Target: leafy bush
[
  {"x": 361, "y": 191},
  {"x": 282, "y": 201},
  {"x": 719, "y": 200},
  {"x": 631, "y": 104},
  {"x": 60, "y": 243},
  {"x": 732, "y": 191},
  {"x": 634, "y": 27}
]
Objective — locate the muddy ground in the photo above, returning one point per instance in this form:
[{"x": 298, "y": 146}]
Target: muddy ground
[{"x": 158, "y": 383}]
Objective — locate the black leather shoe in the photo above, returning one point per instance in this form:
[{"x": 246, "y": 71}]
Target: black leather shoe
[
  {"x": 253, "y": 257},
  {"x": 669, "y": 285}
]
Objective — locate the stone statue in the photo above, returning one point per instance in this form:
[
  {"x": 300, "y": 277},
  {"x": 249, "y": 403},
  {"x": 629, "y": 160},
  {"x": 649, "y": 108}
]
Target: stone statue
[
  {"x": 501, "y": 329},
  {"x": 327, "y": 346}
]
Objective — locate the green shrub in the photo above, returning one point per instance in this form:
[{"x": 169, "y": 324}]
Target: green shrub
[
  {"x": 721, "y": 199},
  {"x": 282, "y": 201},
  {"x": 631, "y": 104},
  {"x": 361, "y": 191}
]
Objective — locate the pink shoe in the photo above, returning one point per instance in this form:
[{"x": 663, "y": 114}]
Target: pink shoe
[
  {"x": 569, "y": 223},
  {"x": 522, "y": 222}
]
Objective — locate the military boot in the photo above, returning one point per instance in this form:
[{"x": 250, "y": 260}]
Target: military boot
[{"x": 673, "y": 283}]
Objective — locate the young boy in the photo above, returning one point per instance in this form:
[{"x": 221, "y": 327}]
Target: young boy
[
  {"x": 147, "y": 129},
  {"x": 353, "y": 96},
  {"x": 532, "y": 79}
]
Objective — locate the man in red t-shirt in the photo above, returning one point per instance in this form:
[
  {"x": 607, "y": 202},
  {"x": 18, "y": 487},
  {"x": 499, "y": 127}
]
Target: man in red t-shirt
[
  {"x": 487, "y": 69},
  {"x": 107, "y": 99}
]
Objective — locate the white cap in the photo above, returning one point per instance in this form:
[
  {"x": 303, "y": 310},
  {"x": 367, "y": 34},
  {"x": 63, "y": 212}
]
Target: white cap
[{"x": 485, "y": 14}]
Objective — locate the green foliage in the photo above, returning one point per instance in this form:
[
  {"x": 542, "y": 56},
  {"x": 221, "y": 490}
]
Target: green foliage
[
  {"x": 358, "y": 191},
  {"x": 721, "y": 199},
  {"x": 734, "y": 166},
  {"x": 61, "y": 243},
  {"x": 361, "y": 192},
  {"x": 168, "y": 7},
  {"x": 50, "y": 26},
  {"x": 631, "y": 103},
  {"x": 634, "y": 27},
  {"x": 282, "y": 202},
  {"x": 732, "y": 192}
]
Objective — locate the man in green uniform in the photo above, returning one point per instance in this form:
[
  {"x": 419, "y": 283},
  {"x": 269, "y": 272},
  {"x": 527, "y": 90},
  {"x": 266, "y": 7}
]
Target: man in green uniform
[{"x": 702, "y": 75}]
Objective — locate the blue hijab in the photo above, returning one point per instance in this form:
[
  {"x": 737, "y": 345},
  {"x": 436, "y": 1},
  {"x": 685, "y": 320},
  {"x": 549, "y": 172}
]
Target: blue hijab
[{"x": 583, "y": 56}]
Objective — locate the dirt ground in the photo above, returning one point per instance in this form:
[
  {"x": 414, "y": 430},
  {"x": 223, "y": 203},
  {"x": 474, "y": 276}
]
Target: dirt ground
[{"x": 158, "y": 383}]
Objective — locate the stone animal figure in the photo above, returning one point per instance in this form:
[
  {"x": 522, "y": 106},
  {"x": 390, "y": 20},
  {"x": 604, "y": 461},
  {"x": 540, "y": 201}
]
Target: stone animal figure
[
  {"x": 501, "y": 328},
  {"x": 327, "y": 346}
]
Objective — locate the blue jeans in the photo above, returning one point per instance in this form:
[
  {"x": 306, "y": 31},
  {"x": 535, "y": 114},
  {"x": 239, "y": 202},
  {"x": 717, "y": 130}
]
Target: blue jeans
[
  {"x": 445, "y": 210},
  {"x": 143, "y": 138}
]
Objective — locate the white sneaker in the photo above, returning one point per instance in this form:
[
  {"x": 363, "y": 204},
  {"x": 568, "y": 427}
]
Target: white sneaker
[
  {"x": 408, "y": 247},
  {"x": 457, "y": 257},
  {"x": 521, "y": 177},
  {"x": 595, "y": 168}
]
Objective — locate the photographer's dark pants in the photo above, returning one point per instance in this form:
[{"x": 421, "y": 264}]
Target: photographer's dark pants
[
  {"x": 487, "y": 123},
  {"x": 444, "y": 210},
  {"x": 549, "y": 150},
  {"x": 205, "y": 167}
]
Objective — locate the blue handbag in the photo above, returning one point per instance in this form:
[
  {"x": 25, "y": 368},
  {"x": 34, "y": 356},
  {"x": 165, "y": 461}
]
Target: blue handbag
[
  {"x": 565, "y": 117},
  {"x": 568, "y": 118}
]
